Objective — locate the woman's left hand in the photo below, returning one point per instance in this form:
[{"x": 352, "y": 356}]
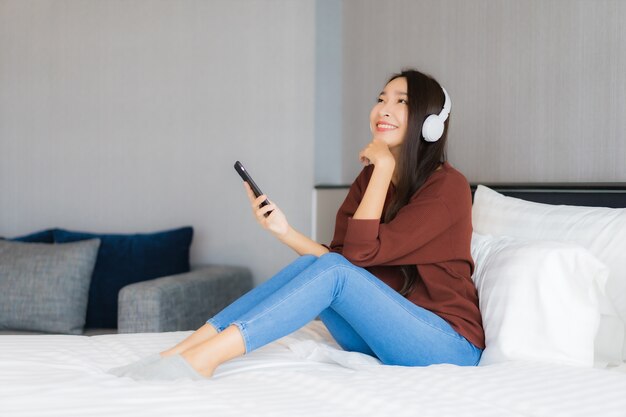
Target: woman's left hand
[{"x": 376, "y": 153}]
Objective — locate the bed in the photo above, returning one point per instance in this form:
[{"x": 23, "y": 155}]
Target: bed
[{"x": 304, "y": 374}]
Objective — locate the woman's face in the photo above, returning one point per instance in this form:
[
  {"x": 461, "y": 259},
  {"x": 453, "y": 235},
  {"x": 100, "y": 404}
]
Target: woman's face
[{"x": 389, "y": 116}]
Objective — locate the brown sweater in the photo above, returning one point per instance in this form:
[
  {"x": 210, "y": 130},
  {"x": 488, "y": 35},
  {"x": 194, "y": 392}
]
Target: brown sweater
[{"x": 433, "y": 231}]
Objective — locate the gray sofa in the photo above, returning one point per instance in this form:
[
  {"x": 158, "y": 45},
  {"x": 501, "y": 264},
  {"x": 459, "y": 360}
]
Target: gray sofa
[
  {"x": 176, "y": 302},
  {"x": 180, "y": 302}
]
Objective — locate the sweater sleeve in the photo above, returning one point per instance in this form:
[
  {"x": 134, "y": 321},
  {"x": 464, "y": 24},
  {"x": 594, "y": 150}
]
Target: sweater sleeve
[
  {"x": 405, "y": 240},
  {"x": 347, "y": 209}
]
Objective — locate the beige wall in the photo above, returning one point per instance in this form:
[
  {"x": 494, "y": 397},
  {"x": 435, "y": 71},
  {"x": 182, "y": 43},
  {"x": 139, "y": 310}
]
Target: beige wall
[{"x": 127, "y": 116}]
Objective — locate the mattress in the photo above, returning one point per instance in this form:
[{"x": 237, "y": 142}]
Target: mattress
[{"x": 303, "y": 374}]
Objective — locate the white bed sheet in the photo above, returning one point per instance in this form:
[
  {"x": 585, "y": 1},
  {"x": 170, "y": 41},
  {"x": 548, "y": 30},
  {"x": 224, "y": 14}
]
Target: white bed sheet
[{"x": 303, "y": 374}]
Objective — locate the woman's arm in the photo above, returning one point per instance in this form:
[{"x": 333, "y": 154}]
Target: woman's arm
[
  {"x": 301, "y": 243},
  {"x": 377, "y": 153},
  {"x": 371, "y": 206},
  {"x": 277, "y": 224},
  {"x": 435, "y": 225}
]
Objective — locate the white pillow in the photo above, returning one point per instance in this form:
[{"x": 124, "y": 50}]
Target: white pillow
[
  {"x": 538, "y": 300},
  {"x": 600, "y": 230}
]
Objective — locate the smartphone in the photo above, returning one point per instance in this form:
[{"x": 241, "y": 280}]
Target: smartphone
[{"x": 243, "y": 173}]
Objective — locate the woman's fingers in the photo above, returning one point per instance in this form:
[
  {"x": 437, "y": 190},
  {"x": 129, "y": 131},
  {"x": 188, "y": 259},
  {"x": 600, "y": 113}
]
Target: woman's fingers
[
  {"x": 260, "y": 212},
  {"x": 364, "y": 155},
  {"x": 249, "y": 191},
  {"x": 254, "y": 201},
  {"x": 374, "y": 152},
  {"x": 257, "y": 201},
  {"x": 275, "y": 222}
]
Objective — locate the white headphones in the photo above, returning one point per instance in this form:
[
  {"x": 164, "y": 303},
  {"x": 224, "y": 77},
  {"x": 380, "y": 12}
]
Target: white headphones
[{"x": 433, "y": 126}]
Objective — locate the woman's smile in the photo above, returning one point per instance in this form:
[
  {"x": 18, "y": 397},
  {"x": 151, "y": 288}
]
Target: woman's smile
[{"x": 384, "y": 127}]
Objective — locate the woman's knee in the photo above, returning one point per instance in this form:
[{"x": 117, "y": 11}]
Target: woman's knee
[
  {"x": 306, "y": 259},
  {"x": 332, "y": 258}
]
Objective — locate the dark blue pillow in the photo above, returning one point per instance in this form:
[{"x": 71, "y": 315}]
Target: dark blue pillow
[
  {"x": 44, "y": 236},
  {"x": 126, "y": 259}
]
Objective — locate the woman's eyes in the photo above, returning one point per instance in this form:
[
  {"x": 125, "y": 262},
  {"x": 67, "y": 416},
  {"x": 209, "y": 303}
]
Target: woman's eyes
[{"x": 401, "y": 101}]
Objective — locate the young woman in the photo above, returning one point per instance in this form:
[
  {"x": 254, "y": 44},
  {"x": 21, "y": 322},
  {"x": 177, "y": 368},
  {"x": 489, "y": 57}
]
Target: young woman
[{"x": 395, "y": 283}]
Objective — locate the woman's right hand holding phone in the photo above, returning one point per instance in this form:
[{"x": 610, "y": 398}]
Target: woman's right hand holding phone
[{"x": 275, "y": 222}]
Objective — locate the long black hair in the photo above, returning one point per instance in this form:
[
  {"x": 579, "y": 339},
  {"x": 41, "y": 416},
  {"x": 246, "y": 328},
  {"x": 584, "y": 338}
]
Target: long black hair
[{"x": 419, "y": 158}]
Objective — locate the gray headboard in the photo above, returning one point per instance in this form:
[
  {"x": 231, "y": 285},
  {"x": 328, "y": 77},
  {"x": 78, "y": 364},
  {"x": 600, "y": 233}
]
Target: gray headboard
[{"x": 573, "y": 194}]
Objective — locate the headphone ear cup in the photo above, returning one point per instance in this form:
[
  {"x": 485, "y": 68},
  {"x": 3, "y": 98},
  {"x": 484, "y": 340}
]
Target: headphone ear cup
[{"x": 432, "y": 129}]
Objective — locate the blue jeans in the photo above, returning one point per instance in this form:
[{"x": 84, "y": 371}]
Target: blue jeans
[{"x": 361, "y": 312}]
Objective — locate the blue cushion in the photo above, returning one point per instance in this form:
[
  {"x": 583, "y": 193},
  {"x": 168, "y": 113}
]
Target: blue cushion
[
  {"x": 44, "y": 236},
  {"x": 126, "y": 259}
]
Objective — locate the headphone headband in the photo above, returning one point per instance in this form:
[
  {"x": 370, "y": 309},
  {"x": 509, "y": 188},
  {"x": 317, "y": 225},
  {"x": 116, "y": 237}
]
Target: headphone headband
[{"x": 446, "y": 106}]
